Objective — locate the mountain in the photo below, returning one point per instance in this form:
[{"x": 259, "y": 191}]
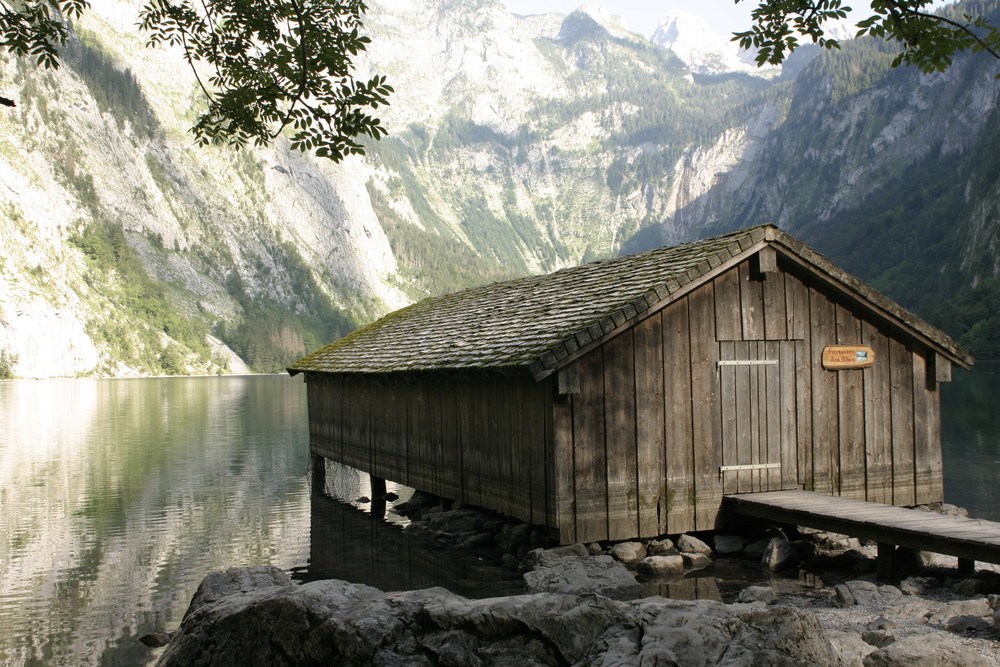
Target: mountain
[
  {"x": 517, "y": 145},
  {"x": 701, "y": 48}
]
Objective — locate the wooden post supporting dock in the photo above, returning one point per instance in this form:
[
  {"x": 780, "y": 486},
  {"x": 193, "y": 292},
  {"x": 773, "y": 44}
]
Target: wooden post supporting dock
[
  {"x": 318, "y": 464},
  {"x": 883, "y": 564}
]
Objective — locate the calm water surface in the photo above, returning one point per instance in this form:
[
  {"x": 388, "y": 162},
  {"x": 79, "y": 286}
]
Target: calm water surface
[{"x": 118, "y": 496}]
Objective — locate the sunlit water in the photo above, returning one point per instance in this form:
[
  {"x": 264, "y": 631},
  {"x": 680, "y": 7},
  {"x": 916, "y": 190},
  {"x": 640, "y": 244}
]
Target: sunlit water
[{"x": 118, "y": 496}]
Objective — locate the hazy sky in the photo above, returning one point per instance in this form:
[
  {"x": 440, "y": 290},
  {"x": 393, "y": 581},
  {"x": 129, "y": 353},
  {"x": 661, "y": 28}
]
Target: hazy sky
[{"x": 643, "y": 16}]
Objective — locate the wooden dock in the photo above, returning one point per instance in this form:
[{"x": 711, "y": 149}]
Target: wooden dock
[{"x": 968, "y": 539}]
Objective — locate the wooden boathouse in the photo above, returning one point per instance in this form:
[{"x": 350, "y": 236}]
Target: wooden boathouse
[{"x": 625, "y": 398}]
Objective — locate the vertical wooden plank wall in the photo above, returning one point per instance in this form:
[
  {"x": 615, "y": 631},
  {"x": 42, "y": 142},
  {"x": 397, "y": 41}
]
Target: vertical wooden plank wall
[
  {"x": 852, "y": 408},
  {"x": 590, "y": 450},
  {"x": 878, "y": 417},
  {"x": 901, "y": 398},
  {"x": 637, "y": 450},
  {"x": 482, "y": 439},
  {"x": 705, "y": 414},
  {"x": 650, "y": 426},
  {"x": 678, "y": 438},
  {"x": 620, "y": 437}
]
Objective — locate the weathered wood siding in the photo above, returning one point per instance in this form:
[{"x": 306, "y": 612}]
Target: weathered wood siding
[
  {"x": 640, "y": 445},
  {"x": 483, "y": 439},
  {"x": 720, "y": 391}
]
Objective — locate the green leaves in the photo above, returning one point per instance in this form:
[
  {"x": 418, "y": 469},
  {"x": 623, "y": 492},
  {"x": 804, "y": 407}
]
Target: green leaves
[
  {"x": 928, "y": 40},
  {"x": 34, "y": 28},
  {"x": 275, "y": 66}
]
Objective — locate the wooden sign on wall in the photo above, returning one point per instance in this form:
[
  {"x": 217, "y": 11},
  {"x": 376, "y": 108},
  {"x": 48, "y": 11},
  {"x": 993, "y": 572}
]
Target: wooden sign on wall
[{"x": 841, "y": 357}]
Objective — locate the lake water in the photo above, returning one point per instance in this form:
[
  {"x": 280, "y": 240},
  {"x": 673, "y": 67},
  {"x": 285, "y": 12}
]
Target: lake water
[{"x": 118, "y": 496}]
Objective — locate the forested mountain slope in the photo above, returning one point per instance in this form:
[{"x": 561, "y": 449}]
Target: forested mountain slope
[{"x": 517, "y": 144}]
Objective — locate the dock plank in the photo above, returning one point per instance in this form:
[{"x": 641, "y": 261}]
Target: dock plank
[{"x": 973, "y": 539}]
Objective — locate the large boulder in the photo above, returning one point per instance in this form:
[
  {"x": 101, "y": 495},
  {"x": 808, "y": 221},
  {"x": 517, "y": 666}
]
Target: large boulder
[{"x": 335, "y": 622}]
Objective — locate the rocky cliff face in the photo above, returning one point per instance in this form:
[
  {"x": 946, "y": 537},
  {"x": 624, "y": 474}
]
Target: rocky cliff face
[{"x": 518, "y": 144}]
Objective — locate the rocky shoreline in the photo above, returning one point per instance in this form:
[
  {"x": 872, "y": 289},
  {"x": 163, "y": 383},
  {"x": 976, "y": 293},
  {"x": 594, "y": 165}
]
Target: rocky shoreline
[{"x": 591, "y": 604}]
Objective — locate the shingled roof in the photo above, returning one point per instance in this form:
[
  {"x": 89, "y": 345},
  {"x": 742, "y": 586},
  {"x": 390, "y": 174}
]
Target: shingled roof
[{"x": 538, "y": 321}]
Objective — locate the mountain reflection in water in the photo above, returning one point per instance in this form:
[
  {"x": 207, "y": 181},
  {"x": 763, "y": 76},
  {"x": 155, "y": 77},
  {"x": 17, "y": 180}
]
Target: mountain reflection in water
[{"x": 118, "y": 496}]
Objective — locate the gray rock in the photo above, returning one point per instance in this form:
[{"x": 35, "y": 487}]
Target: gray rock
[
  {"x": 661, "y": 548},
  {"x": 976, "y": 607},
  {"x": 918, "y": 652},
  {"x": 889, "y": 591},
  {"x": 864, "y": 593},
  {"x": 628, "y": 552},
  {"x": 778, "y": 555},
  {"x": 876, "y": 638},
  {"x": 156, "y": 639},
  {"x": 222, "y": 583},
  {"x": 539, "y": 558},
  {"x": 662, "y": 565},
  {"x": 339, "y": 623},
  {"x": 587, "y": 574},
  {"x": 842, "y": 596},
  {"x": 967, "y": 623},
  {"x": 594, "y": 548},
  {"x": 692, "y": 545},
  {"x": 673, "y": 632},
  {"x": 728, "y": 544},
  {"x": 968, "y": 587},
  {"x": 763, "y": 594},
  {"x": 881, "y": 623},
  {"x": 835, "y": 541},
  {"x": 695, "y": 561},
  {"x": 756, "y": 549},
  {"x": 993, "y": 600},
  {"x": 916, "y": 585}
]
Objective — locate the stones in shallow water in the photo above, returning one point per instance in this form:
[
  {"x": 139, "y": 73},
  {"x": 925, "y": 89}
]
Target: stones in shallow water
[
  {"x": 778, "y": 555},
  {"x": 728, "y": 544},
  {"x": 692, "y": 545},
  {"x": 763, "y": 594},
  {"x": 539, "y": 558},
  {"x": 583, "y": 574},
  {"x": 662, "y": 547},
  {"x": 695, "y": 561},
  {"x": 628, "y": 552},
  {"x": 662, "y": 565},
  {"x": 757, "y": 548}
]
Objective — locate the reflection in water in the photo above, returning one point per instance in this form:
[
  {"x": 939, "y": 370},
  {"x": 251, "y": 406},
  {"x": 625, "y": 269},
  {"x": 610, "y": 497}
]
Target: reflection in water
[
  {"x": 347, "y": 543},
  {"x": 118, "y": 496},
  {"x": 970, "y": 432}
]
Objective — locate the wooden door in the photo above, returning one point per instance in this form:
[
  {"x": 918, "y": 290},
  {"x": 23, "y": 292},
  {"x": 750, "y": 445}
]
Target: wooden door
[{"x": 757, "y": 399}]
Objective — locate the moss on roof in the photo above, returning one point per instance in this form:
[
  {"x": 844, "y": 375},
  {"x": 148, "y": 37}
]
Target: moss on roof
[{"x": 535, "y": 321}]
